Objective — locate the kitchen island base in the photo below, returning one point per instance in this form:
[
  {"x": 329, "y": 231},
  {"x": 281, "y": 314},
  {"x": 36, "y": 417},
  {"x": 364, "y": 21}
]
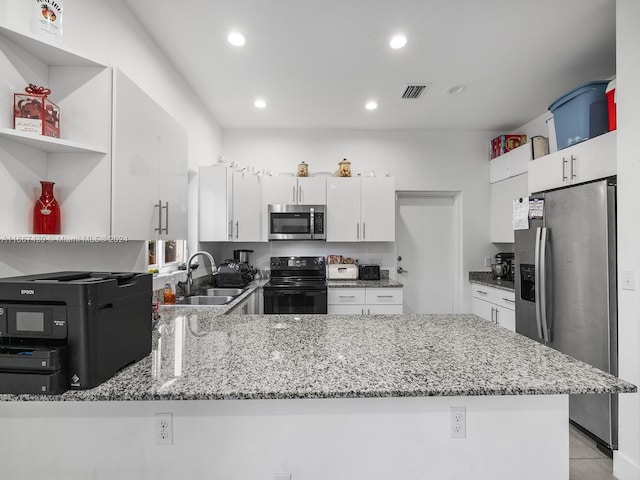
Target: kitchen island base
[{"x": 520, "y": 436}]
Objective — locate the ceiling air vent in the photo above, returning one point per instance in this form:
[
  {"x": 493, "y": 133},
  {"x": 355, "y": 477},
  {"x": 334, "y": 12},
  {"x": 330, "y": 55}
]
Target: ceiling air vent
[{"x": 414, "y": 91}]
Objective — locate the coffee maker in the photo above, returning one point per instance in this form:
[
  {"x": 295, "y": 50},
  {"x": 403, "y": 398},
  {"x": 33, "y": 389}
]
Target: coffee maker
[{"x": 503, "y": 268}]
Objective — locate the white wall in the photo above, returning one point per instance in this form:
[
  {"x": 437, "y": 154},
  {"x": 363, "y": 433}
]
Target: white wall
[
  {"x": 108, "y": 32},
  {"x": 627, "y": 458},
  {"x": 419, "y": 160}
]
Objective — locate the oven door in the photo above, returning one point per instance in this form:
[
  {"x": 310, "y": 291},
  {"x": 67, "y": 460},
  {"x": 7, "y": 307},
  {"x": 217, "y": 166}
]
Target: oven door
[{"x": 295, "y": 301}]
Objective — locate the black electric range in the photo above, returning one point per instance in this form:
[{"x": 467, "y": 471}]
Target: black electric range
[{"x": 298, "y": 285}]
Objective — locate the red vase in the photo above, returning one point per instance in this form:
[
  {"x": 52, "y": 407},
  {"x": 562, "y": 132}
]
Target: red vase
[{"x": 46, "y": 212}]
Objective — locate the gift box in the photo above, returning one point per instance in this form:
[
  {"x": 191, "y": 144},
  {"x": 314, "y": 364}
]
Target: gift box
[
  {"x": 33, "y": 112},
  {"x": 504, "y": 143}
]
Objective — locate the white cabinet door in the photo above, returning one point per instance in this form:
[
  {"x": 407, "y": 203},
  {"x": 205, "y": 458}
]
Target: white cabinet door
[
  {"x": 214, "y": 184},
  {"x": 377, "y": 209},
  {"x": 550, "y": 171},
  {"x": 149, "y": 176},
  {"x": 506, "y": 318},
  {"x": 343, "y": 209},
  {"x": 279, "y": 190},
  {"x": 502, "y": 196},
  {"x": 482, "y": 309},
  {"x": 595, "y": 158},
  {"x": 499, "y": 168},
  {"x": 247, "y": 211},
  {"x": 312, "y": 191}
]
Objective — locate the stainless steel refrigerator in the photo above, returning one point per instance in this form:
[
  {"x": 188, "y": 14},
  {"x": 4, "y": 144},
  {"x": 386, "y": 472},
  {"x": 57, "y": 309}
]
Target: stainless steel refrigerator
[{"x": 565, "y": 281}]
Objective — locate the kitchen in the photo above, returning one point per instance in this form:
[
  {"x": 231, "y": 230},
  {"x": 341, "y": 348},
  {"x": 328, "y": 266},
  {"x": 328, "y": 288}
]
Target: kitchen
[{"x": 319, "y": 148}]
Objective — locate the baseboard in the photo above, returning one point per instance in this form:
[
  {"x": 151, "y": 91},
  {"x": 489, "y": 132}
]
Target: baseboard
[{"x": 623, "y": 468}]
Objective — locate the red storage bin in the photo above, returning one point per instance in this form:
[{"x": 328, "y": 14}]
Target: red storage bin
[{"x": 611, "y": 104}]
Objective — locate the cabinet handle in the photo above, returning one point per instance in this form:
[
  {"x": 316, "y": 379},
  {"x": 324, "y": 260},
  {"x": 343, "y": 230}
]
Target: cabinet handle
[
  {"x": 230, "y": 229},
  {"x": 346, "y": 296},
  {"x": 362, "y": 311},
  {"x": 564, "y": 169},
  {"x": 159, "y": 206},
  {"x": 492, "y": 311},
  {"x": 358, "y": 231},
  {"x": 364, "y": 230},
  {"x": 299, "y": 194},
  {"x": 293, "y": 198},
  {"x": 482, "y": 292},
  {"x": 237, "y": 229},
  {"x": 368, "y": 311},
  {"x": 508, "y": 300},
  {"x": 166, "y": 218},
  {"x": 573, "y": 168},
  {"x": 384, "y": 296},
  {"x": 497, "y": 317}
]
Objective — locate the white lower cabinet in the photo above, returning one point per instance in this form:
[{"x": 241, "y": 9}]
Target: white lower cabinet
[
  {"x": 364, "y": 301},
  {"x": 495, "y": 305}
]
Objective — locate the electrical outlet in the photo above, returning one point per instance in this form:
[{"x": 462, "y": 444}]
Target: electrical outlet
[
  {"x": 164, "y": 428},
  {"x": 458, "y": 422},
  {"x": 487, "y": 261},
  {"x": 628, "y": 280}
]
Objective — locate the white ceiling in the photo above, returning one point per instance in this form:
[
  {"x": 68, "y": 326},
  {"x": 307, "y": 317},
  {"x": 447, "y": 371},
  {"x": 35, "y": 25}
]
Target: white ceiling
[{"x": 316, "y": 63}]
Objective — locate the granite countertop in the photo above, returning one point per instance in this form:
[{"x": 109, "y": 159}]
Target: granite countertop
[
  {"x": 382, "y": 283},
  {"x": 486, "y": 278},
  {"x": 199, "y": 354}
]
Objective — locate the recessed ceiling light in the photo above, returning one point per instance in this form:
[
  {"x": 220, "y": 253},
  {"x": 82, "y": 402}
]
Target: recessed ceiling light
[
  {"x": 398, "y": 41},
  {"x": 236, "y": 38},
  {"x": 260, "y": 103},
  {"x": 456, "y": 90},
  {"x": 371, "y": 105}
]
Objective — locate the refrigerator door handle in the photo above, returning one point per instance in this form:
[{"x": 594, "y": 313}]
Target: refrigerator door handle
[
  {"x": 537, "y": 282},
  {"x": 543, "y": 286}
]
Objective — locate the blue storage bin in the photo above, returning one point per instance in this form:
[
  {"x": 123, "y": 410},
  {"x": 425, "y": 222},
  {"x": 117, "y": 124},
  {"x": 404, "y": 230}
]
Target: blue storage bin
[{"x": 581, "y": 114}]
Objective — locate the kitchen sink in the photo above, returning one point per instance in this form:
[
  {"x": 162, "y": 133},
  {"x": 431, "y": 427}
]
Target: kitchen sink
[
  {"x": 232, "y": 292},
  {"x": 205, "y": 300}
]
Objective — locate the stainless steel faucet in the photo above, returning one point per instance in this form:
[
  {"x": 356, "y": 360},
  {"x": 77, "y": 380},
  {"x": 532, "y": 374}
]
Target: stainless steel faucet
[{"x": 189, "y": 285}]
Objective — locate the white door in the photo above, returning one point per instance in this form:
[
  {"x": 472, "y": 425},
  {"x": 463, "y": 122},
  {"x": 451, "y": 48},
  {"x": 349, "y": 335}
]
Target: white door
[{"x": 427, "y": 245}]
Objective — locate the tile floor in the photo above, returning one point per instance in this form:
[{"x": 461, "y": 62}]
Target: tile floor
[{"x": 586, "y": 462}]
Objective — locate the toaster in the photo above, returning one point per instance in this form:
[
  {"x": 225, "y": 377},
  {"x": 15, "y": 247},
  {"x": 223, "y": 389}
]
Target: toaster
[{"x": 369, "y": 272}]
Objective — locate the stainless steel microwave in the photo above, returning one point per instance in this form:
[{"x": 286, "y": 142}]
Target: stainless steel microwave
[{"x": 297, "y": 222}]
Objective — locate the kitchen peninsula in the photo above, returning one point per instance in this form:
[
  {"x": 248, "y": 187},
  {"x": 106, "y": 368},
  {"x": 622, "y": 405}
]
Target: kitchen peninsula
[{"x": 326, "y": 396}]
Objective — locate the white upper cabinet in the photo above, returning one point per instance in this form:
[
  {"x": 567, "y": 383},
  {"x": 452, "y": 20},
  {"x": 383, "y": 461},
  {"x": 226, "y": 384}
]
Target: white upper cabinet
[
  {"x": 510, "y": 164},
  {"x": 229, "y": 205},
  {"x": 79, "y": 161},
  {"x": 585, "y": 161},
  {"x": 149, "y": 167},
  {"x": 289, "y": 190},
  {"x": 360, "y": 209}
]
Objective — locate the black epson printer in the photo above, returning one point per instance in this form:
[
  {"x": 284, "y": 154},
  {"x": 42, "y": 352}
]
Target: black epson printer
[{"x": 71, "y": 330}]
